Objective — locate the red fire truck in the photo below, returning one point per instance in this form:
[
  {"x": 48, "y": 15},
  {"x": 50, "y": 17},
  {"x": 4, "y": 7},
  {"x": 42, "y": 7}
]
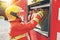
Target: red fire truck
[{"x": 48, "y": 28}]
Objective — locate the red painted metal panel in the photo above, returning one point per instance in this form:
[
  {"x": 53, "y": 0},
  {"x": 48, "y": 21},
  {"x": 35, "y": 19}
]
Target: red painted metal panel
[
  {"x": 37, "y": 36},
  {"x": 54, "y": 20}
]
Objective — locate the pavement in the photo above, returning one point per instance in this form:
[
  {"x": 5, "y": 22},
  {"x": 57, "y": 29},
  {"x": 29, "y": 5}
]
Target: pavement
[{"x": 4, "y": 30}]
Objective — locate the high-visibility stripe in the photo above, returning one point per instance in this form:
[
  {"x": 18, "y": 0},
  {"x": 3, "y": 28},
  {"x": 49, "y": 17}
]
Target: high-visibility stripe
[
  {"x": 39, "y": 17},
  {"x": 40, "y": 13},
  {"x": 18, "y": 37},
  {"x": 36, "y": 19}
]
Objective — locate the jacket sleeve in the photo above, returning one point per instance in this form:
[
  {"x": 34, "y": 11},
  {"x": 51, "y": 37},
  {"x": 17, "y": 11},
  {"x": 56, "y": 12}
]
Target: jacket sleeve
[{"x": 25, "y": 26}]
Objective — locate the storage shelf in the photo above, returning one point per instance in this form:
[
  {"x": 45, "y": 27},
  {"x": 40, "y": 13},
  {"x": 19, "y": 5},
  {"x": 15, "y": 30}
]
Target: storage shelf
[
  {"x": 41, "y": 32},
  {"x": 40, "y": 6}
]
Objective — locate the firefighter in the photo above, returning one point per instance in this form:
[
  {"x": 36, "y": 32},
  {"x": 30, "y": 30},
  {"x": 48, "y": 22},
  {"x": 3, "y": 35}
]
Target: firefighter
[{"x": 19, "y": 29}]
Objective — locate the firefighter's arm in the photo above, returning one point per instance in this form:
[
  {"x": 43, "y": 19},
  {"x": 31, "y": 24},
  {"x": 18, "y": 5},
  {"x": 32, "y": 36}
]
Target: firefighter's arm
[{"x": 26, "y": 26}]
